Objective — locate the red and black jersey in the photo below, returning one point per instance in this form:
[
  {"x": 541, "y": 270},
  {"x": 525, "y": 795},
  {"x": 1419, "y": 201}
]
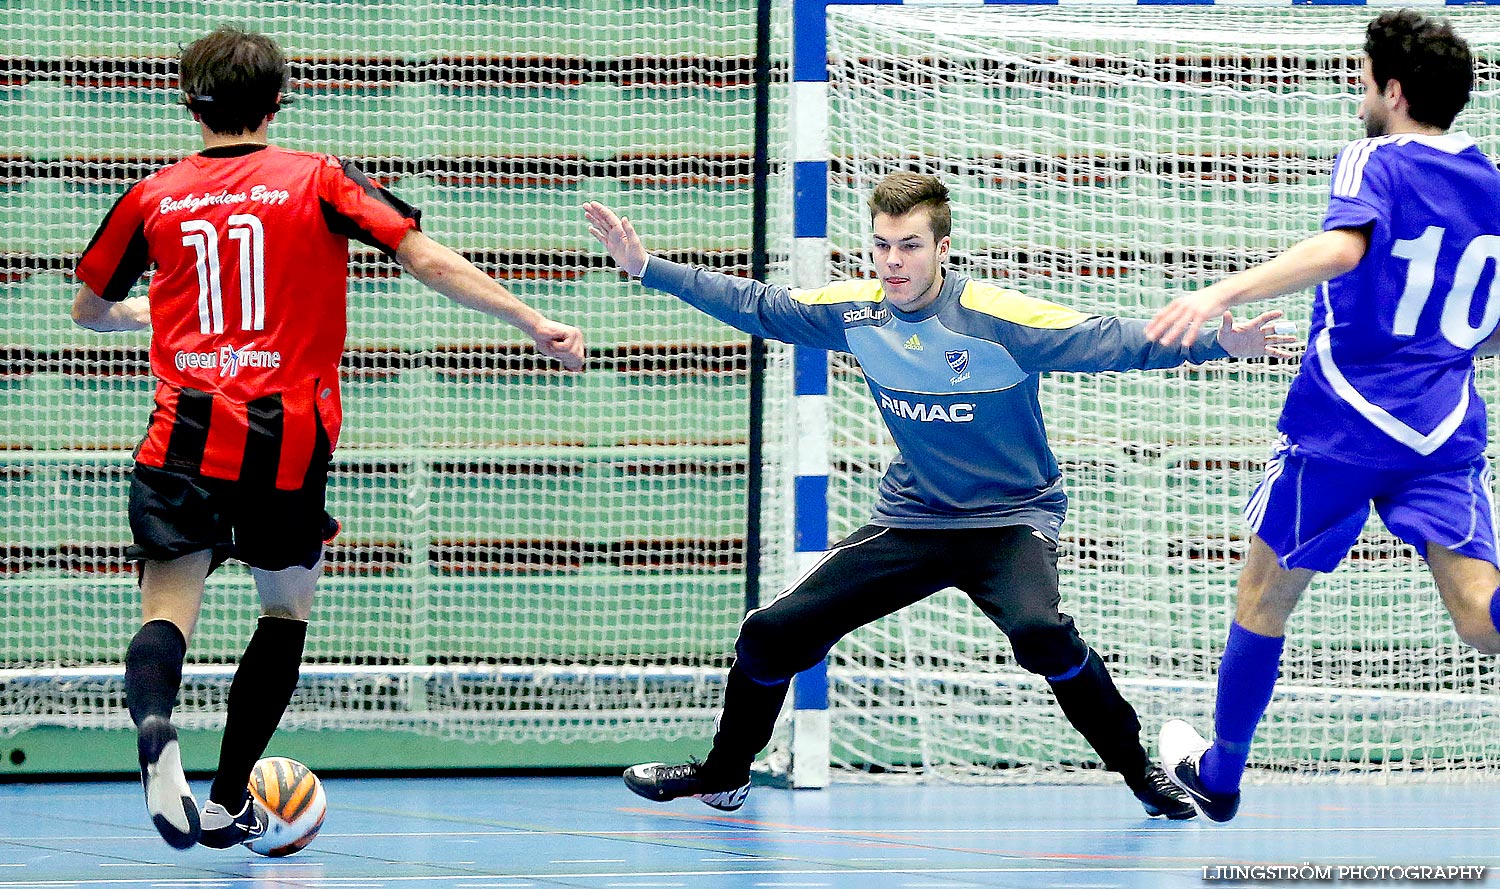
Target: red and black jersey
[{"x": 248, "y": 313}]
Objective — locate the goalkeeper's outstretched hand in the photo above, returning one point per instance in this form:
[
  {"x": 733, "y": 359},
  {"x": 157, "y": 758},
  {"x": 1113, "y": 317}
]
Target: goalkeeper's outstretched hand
[
  {"x": 618, "y": 237},
  {"x": 1255, "y": 338}
]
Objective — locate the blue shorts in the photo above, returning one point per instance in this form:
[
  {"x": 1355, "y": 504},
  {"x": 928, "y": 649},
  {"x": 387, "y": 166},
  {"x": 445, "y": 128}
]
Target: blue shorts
[{"x": 1310, "y": 511}]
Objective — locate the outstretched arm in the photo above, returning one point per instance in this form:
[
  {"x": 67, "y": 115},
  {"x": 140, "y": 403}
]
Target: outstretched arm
[
  {"x": 461, "y": 281},
  {"x": 1256, "y": 338},
  {"x": 1309, "y": 262},
  {"x": 805, "y": 318},
  {"x": 1099, "y": 343},
  {"x": 97, "y": 313},
  {"x": 618, "y": 237}
]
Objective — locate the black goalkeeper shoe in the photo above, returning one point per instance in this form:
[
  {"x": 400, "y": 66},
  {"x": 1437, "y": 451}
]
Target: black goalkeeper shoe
[
  {"x": 1160, "y": 797},
  {"x": 660, "y": 782}
]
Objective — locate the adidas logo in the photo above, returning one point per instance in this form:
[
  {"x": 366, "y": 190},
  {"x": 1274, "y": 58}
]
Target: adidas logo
[{"x": 914, "y": 344}]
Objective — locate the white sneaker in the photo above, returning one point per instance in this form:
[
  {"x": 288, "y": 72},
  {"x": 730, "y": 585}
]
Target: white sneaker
[
  {"x": 1178, "y": 741},
  {"x": 169, "y": 800},
  {"x": 1181, "y": 749}
]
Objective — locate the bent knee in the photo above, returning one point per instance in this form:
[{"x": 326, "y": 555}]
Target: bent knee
[
  {"x": 759, "y": 629},
  {"x": 1488, "y": 646},
  {"x": 1263, "y": 611},
  {"x": 1480, "y": 635},
  {"x": 1473, "y": 619},
  {"x": 1048, "y": 650},
  {"x": 771, "y": 652}
]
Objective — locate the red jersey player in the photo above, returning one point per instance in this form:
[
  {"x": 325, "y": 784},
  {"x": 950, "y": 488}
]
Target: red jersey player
[{"x": 247, "y": 310}]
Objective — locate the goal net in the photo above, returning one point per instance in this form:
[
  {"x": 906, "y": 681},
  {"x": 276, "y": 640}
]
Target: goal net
[
  {"x": 1108, "y": 159},
  {"x": 527, "y": 556}
]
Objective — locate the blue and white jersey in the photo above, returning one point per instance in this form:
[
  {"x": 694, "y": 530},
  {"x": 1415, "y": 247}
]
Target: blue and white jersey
[
  {"x": 1388, "y": 378},
  {"x": 956, "y": 382}
]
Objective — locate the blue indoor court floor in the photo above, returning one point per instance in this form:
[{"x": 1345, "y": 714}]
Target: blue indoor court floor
[{"x": 497, "y": 833}]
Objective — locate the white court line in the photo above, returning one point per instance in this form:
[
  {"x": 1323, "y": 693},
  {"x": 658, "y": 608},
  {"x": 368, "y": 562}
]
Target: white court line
[
  {"x": 492, "y": 885},
  {"x": 194, "y": 882},
  {"x": 818, "y": 831},
  {"x": 324, "y": 882},
  {"x": 886, "y": 858},
  {"x": 281, "y": 863},
  {"x": 587, "y": 861},
  {"x": 138, "y": 864},
  {"x": 153, "y": 839}
]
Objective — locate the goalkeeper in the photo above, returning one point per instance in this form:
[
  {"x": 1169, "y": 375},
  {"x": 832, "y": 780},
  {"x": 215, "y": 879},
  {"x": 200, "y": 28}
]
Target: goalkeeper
[{"x": 973, "y": 500}]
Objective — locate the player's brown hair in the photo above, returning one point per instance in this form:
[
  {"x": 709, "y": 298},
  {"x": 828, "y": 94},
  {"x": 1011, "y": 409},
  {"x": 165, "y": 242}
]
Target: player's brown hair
[
  {"x": 232, "y": 78},
  {"x": 900, "y": 193}
]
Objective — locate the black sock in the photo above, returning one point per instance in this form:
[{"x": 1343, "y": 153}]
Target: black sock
[
  {"x": 749, "y": 717},
  {"x": 153, "y": 670},
  {"x": 262, "y": 687},
  {"x": 1094, "y": 706}
]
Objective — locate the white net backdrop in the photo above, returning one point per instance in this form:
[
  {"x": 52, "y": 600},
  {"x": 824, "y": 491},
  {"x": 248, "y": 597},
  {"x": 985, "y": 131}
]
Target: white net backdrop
[
  {"x": 526, "y": 555},
  {"x": 1108, "y": 159}
]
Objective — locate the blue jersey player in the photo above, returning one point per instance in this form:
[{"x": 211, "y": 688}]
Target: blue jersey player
[
  {"x": 1383, "y": 409},
  {"x": 974, "y": 499}
]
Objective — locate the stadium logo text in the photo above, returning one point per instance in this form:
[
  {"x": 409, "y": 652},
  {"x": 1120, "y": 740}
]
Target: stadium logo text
[
  {"x": 928, "y": 413},
  {"x": 867, "y": 313},
  {"x": 259, "y": 194},
  {"x": 228, "y": 360}
]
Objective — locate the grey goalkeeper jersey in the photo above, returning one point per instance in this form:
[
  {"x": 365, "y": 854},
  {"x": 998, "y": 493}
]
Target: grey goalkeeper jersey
[{"x": 956, "y": 382}]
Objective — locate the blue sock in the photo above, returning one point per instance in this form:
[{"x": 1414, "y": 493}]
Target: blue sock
[
  {"x": 1247, "y": 676},
  {"x": 1495, "y": 610}
]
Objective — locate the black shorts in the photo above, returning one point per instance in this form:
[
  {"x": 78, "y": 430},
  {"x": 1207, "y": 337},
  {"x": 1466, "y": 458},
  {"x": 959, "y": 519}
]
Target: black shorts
[{"x": 173, "y": 514}]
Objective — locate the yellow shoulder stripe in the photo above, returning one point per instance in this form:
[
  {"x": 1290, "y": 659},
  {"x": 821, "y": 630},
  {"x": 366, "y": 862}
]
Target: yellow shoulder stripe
[
  {"x": 863, "y": 290},
  {"x": 1017, "y": 308}
]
